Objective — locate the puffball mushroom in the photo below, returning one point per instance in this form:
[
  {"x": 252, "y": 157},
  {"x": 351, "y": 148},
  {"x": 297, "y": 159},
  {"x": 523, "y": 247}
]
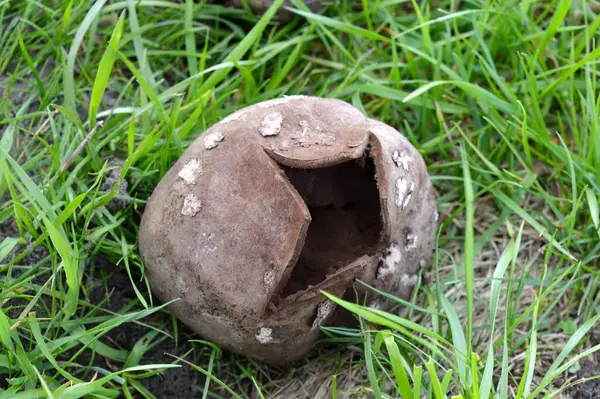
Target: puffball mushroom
[
  {"x": 272, "y": 205},
  {"x": 283, "y": 14}
]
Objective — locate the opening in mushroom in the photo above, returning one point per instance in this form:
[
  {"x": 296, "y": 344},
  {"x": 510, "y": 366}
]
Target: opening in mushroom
[{"x": 343, "y": 201}]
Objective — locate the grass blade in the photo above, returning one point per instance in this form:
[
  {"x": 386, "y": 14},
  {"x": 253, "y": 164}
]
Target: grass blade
[
  {"x": 469, "y": 247},
  {"x": 69, "y": 78},
  {"x": 105, "y": 69}
]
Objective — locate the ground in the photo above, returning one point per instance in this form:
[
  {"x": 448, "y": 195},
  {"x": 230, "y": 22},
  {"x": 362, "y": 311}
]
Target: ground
[
  {"x": 584, "y": 388},
  {"x": 99, "y": 99}
]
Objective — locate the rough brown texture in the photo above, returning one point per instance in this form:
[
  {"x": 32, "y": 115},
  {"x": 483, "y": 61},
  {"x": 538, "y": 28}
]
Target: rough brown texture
[
  {"x": 283, "y": 14},
  {"x": 275, "y": 203}
]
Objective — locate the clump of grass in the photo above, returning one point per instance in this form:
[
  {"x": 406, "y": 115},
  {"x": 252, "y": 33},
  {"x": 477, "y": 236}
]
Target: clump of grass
[{"x": 501, "y": 98}]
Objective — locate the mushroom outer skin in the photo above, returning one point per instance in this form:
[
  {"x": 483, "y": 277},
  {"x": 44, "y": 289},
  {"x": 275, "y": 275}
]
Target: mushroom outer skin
[
  {"x": 283, "y": 14},
  {"x": 275, "y": 203}
]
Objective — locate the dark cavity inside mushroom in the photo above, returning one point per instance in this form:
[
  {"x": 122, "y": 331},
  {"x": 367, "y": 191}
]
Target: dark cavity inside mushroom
[{"x": 343, "y": 201}]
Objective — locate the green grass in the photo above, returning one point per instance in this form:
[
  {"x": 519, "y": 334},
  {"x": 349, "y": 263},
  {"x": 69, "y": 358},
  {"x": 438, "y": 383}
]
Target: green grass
[{"x": 500, "y": 97}]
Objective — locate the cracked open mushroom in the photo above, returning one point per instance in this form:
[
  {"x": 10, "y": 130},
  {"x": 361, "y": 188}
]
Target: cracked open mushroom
[{"x": 274, "y": 204}]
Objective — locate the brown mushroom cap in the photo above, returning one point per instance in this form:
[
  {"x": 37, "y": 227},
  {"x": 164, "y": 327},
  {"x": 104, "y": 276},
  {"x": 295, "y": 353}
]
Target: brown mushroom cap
[{"x": 275, "y": 203}]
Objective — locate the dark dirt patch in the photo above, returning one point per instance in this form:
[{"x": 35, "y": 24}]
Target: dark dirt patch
[
  {"x": 111, "y": 284},
  {"x": 590, "y": 387},
  {"x": 34, "y": 255}
]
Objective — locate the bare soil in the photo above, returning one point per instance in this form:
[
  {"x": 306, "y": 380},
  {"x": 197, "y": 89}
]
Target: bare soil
[
  {"x": 587, "y": 381},
  {"x": 183, "y": 382}
]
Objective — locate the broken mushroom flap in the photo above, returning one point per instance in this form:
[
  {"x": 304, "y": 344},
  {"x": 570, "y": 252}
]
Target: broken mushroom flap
[{"x": 276, "y": 202}]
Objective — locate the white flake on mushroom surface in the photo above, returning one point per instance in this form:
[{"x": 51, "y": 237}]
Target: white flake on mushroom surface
[
  {"x": 269, "y": 276},
  {"x": 180, "y": 284},
  {"x": 210, "y": 236},
  {"x": 323, "y": 311},
  {"x": 311, "y": 134},
  {"x": 209, "y": 246},
  {"x": 404, "y": 190},
  {"x": 207, "y": 249},
  {"x": 376, "y": 305},
  {"x": 409, "y": 280},
  {"x": 411, "y": 241},
  {"x": 389, "y": 262},
  {"x": 401, "y": 159},
  {"x": 191, "y": 171},
  {"x": 213, "y": 140},
  {"x": 436, "y": 216},
  {"x": 265, "y": 336},
  {"x": 271, "y": 124},
  {"x": 191, "y": 205}
]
